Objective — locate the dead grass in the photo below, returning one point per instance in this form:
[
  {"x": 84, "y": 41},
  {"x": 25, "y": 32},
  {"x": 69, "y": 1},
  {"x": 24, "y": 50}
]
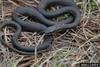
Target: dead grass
[{"x": 69, "y": 48}]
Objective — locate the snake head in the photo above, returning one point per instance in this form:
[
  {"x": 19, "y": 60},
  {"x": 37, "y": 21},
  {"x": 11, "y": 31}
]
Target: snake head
[
  {"x": 54, "y": 28},
  {"x": 50, "y": 29}
]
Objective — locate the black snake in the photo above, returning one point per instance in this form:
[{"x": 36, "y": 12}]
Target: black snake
[{"x": 42, "y": 23}]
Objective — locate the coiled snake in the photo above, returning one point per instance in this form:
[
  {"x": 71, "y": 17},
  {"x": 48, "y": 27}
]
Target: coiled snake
[{"x": 42, "y": 23}]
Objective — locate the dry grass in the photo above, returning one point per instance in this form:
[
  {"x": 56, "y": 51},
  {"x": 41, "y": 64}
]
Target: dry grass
[{"x": 69, "y": 48}]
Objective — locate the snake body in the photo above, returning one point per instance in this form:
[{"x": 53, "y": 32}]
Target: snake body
[
  {"x": 35, "y": 15},
  {"x": 69, "y": 6},
  {"x": 22, "y": 49},
  {"x": 70, "y": 22},
  {"x": 42, "y": 15},
  {"x": 42, "y": 23},
  {"x": 61, "y": 26},
  {"x": 44, "y": 4}
]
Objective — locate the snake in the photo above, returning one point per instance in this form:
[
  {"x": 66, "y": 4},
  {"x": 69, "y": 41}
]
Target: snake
[
  {"x": 23, "y": 49},
  {"x": 42, "y": 23}
]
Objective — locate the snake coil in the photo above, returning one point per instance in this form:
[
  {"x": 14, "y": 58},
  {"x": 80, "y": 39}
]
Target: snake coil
[
  {"x": 42, "y": 23},
  {"x": 22, "y": 49}
]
